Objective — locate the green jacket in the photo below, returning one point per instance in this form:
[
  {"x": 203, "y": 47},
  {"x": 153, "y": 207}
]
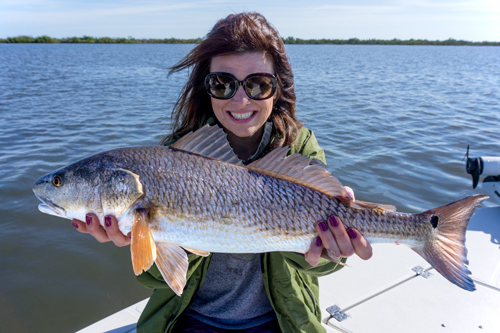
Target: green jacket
[{"x": 290, "y": 282}]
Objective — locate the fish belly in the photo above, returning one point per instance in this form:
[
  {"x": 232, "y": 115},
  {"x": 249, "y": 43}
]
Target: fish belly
[{"x": 231, "y": 235}]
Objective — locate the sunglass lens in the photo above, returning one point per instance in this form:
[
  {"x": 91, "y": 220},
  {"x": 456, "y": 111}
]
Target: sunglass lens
[
  {"x": 221, "y": 86},
  {"x": 259, "y": 86}
]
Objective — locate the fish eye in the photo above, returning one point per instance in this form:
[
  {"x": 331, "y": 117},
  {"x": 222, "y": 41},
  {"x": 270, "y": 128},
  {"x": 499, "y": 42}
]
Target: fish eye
[{"x": 57, "y": 181}]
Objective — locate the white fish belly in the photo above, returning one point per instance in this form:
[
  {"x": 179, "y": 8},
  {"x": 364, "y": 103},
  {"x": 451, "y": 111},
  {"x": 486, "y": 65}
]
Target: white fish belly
[{"x": 230, "y": 238}]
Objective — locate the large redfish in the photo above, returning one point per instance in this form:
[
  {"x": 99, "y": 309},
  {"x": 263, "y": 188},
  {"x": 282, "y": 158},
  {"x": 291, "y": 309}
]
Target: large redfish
[{"x": 196, "y": 195}]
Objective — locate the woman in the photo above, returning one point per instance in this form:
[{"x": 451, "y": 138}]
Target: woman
[{"x": 241, "y": 80}]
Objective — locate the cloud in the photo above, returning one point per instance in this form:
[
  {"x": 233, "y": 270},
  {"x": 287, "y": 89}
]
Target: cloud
[
  {"x": 111, "y": 17},
  {"x": 462, "y": 19}
]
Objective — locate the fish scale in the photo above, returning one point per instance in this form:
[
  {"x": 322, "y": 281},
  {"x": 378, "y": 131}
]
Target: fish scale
[{"x": 198, "y": 196}]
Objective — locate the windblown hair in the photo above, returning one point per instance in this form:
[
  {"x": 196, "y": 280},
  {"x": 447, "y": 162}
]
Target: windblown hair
[{"x": 237, "y": 33}]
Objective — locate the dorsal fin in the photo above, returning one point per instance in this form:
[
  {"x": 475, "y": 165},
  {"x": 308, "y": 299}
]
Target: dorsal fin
[
  {"x": 296, "y": 168},
  {"x": 208, "y": 141}
]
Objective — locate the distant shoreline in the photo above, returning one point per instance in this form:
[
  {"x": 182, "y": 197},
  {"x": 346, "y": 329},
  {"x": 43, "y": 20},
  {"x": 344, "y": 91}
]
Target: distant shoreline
[{"x": 288, "y": 40}]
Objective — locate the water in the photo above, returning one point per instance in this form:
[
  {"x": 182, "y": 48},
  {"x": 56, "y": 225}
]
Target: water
[{"x": 394, "y": 121}]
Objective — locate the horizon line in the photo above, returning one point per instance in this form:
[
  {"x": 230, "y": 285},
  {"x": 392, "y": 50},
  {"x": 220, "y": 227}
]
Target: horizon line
[{"x": 287, "y": 40}]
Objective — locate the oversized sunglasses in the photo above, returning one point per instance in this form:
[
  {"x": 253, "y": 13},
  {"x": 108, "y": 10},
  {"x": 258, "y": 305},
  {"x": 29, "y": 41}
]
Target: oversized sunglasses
[{"x": 257, "y": 86}]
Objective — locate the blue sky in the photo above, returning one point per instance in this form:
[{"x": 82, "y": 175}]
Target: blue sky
[{"x": 473, "y": 20}]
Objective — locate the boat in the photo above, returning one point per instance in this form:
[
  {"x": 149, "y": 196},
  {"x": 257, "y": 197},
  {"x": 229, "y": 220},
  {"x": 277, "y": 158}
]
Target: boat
[{"x": 397, "y": 290}]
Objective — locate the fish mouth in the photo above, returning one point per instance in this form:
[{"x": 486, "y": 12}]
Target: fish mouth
[{"x": 48, "y": 207}]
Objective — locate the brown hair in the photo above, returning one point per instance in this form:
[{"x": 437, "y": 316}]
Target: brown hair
[{"x": 237, "y": 33}]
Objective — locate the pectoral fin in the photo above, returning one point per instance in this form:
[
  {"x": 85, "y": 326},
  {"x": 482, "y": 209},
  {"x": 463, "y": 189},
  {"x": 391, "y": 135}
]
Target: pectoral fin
[
  {"x": 172, "y": 261},
  {"x": 142, "y": 246}
]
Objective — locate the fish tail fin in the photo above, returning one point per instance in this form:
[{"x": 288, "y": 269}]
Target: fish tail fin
[{"x": 445, "y": 249}]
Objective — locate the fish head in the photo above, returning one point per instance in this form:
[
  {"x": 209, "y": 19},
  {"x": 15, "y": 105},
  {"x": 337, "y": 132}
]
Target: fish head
[
  {"x": 66, "y": 193},
  {"x": 96, "y": 185}
]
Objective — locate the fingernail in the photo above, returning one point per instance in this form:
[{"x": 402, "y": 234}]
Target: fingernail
[
  {"x": 352, "y": 233},
  {"x": 323, "y": 226},
  {"x": 349, "y": 195},
  {"x": 75, "y": 225},
  {"x": 129, "y": 235},
  {"x": 318, "y": 241},
  {"x": 333, "y": 221},
  {"x": 107, "y": 221},
  {"x": 88, "y": 219}
]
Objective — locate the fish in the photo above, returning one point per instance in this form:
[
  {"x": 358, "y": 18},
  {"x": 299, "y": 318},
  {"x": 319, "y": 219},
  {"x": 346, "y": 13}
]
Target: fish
[{"x": 196, "y": 196}]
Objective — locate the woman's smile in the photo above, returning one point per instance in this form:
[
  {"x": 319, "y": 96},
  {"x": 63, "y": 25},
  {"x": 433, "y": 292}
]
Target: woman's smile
[{"x": 242, "y": 116}]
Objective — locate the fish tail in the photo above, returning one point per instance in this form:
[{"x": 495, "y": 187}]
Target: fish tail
[{"x": 445, "y": 249}]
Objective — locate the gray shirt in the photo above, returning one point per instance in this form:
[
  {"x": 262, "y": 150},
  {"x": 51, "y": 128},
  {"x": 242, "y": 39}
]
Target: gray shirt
[{"x": 233, "y": 294}]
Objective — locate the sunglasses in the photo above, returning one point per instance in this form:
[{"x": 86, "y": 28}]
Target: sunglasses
[{"x": 257, "y": 86}]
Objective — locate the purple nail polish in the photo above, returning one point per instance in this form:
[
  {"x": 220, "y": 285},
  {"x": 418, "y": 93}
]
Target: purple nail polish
[
  {"x": 75, "y": 225},
  {"x": 333, "y": 221},
  {"x": 129, "y": 235},
  {"x": 352, "y": 233},
  {"x": 107, "y": 221},
  {"x": 318, "y": 241},
  {"x": 323, "y": 226},
  {"x": 88, "y": 219}
]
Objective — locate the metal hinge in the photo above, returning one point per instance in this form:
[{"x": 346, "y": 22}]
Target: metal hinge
[
  {"x": 336, "y": 313},
  {"x": 422, "y": 272}
]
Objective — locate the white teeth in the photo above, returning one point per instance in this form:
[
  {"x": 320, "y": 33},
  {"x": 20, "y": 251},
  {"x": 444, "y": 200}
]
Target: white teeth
[{"x": 241, "y": 116}]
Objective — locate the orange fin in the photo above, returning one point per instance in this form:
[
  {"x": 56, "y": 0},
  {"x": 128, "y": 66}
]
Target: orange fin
[
  {"x": 142, "y": 246},
  {"x": 296, "y": 168},
  {"x": 208, "y": 141},
  {"x": 198, "y": 252},
  {"x": 172, "y": 261}
]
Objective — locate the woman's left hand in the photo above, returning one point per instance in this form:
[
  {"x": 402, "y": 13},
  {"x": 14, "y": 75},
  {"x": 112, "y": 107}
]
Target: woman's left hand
[{"x": 337, "y": 241}]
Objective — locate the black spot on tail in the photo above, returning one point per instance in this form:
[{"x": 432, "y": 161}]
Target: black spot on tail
[{"x": 434, "y": 221}]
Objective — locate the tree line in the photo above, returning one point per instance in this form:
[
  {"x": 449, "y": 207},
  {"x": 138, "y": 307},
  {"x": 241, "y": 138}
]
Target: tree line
[
  {"x": 395, "y": 41},
  {"x": 288, "y": 40},
  {"x": 102, "y": 40}
]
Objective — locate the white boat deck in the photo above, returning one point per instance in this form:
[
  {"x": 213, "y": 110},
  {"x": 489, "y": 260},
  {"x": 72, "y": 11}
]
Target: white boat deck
[
  {"x": 397, "y": 291},
  {"x": 385, "y": 294},
  {"x": 123, "y": 321}
]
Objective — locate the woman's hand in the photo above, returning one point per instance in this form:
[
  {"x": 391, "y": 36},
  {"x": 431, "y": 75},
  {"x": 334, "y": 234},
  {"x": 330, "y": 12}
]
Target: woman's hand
[
  {"x": 337, "y": 241},
  {"x": 110, "y": 232}
]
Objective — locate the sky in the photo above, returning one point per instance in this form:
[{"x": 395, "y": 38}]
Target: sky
[{"x": 471, "y": 20}]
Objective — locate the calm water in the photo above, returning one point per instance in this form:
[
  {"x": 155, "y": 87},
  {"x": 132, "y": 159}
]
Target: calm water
[{"x": 394, "y": 121}]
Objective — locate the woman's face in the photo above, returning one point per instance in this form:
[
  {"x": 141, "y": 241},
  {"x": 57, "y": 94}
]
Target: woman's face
[{"x": 241, "y": 115}]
